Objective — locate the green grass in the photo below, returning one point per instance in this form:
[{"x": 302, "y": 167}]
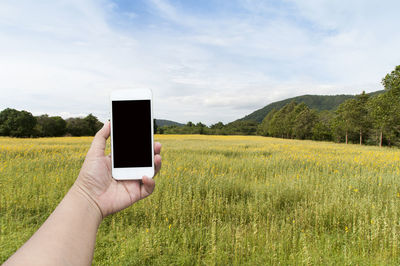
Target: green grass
[{"x": 222, "y": 200}]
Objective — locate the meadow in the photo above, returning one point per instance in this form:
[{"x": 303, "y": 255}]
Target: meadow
[{"x": 222, "y": 200}]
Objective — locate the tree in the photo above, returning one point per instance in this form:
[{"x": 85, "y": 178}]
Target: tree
[
  {"x": 391, "y": 81},
  {"x": 273, "y": 126},
  {"x": 217, "y": 129},
  {"x": 342, "y": 123},
  {"x": 60, "y": 126},
  {"x": 16, "y": 123},
  {"x": 281, "y": 123},
  {"x": 155, "y": 127},
  {"x": 384, "y": 109},
  {"x": 289, "y": 113},
  {"x": 322, "y": 129},
  {"x": 77, "y": 127},
  {"x": 93, "y": 124},
  {"x": 218, "y": 125},
  {"x": 241, "y": 127},
  {"x": 201, "y": 128},
  {"x": 358, "y": 114},
  {"x": 50, "y": 126},
  {"x": 265, "y": 125},
  {"x": 172, "y": 129},
  {"x": 304, "y": 123}
]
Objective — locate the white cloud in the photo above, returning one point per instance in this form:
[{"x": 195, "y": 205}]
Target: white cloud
[{"x": 64, "y": 57}]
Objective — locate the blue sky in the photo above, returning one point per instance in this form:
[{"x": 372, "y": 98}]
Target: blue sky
[{"x": 206, "y": 61}]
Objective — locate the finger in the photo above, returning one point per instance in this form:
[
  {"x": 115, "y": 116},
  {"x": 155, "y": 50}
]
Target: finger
[
  {"x": 99, "y": 142},
  {"x": 147, "y": 187},
  {"x": 157, "y": 163},
  {"x": 157, "y": 148}
]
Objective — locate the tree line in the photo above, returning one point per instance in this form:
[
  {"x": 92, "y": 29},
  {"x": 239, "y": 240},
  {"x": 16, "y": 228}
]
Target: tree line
[
  {"x": 233, "y": 128},
  {"x": 14, "y": 123},
  {"x": 364, "y": 119}
]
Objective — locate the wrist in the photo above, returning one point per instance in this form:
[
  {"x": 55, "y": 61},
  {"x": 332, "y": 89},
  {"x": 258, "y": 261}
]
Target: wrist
[{"x": 84, "y": 198}]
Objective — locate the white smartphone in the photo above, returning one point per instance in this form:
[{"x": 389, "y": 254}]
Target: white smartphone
[{"x": 132, "y": 152}]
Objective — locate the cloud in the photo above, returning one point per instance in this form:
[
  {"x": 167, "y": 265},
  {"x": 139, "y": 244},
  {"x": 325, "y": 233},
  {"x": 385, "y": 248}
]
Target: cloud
[
  {"x": 205, "y": 62},
  {"x": 66, "y": 53}
]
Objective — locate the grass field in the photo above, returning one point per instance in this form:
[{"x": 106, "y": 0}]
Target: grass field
[{"x": 222, "y": 200}]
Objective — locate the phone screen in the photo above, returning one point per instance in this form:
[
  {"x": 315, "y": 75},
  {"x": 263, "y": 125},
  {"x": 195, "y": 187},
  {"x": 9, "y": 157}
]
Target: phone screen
[{"x": 132, "y": 133}]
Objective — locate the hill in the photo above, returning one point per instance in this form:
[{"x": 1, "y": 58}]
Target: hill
[
  {"x": 163, "y": 122},
  {"x": 318, "y": 102}
]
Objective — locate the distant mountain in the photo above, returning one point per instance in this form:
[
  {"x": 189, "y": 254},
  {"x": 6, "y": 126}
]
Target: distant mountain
[
  {"x": 318, "y": 102},
  {"x": 163, "y": 122}
]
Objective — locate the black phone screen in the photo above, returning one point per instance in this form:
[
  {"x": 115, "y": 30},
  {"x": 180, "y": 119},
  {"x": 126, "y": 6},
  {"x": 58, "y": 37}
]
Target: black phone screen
[{"x": 132, "y": 133}]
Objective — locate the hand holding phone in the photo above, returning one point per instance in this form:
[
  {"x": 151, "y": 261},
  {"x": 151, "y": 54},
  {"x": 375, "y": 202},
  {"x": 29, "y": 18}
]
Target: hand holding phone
[
  {"x": 95, "y": 178},
  {"x": 132, "y": 152}
]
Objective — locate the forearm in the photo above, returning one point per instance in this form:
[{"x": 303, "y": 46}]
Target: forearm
[{"x": 66, "y": 238}]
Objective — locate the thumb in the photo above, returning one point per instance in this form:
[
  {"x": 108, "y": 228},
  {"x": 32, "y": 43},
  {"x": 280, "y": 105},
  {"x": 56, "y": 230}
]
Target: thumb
[{"x": 99, "y": 142}]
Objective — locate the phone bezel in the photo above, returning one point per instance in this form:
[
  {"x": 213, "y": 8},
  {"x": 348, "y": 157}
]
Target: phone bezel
[{"x": 132, "y": 173}]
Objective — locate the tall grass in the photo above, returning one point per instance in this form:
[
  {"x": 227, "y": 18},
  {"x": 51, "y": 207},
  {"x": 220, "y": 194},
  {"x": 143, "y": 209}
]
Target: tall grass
[{"x": 222, "y": 200}]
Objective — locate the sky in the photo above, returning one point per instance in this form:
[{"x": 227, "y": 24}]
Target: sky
[{"x": 208, "y": 61}]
